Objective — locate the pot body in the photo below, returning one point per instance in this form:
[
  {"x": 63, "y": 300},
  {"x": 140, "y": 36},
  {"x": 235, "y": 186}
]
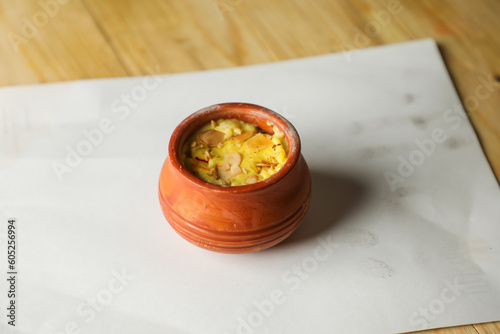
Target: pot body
[{"x": 239, "y": 219}]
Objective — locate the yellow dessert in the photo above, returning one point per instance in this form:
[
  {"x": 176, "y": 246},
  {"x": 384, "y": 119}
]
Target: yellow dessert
[{"x": 230, "y": 152}]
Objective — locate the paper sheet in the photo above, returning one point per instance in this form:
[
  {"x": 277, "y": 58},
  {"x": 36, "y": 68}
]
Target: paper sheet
[{"x": 402, "y": 233}]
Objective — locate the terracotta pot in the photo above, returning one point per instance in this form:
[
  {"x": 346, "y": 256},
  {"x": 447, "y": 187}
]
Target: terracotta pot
[{"x": 240, "y": 219}]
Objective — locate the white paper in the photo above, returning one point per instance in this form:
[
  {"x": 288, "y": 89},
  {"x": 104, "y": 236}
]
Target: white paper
[{"x": 96, "y": 255}]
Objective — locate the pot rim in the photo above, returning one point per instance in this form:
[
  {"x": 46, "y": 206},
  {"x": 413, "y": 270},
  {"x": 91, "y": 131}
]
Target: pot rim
[{"x": 244, "y": 112}]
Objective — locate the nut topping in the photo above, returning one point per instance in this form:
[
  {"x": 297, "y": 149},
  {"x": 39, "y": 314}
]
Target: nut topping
[
  {"x": 259, "y": 142},
  {"x": 242, "y": 137},
  {"x": 252, "y": 179},
  {"x": 235, "y": 170},
  {"x": 223, "y": 173},
  {"x": 211, "y": 137},
  {"x": 233, "y": 158}
]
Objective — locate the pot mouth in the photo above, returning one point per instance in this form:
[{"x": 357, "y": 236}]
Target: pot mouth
[{"x": 246, "y": 112}]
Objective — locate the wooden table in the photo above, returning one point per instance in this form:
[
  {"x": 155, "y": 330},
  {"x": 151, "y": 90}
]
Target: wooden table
[{"x": 58, "y": 40}]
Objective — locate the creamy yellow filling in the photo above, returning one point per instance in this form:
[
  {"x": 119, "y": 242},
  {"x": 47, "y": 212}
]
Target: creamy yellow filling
[{"x": 230, "y": 152}]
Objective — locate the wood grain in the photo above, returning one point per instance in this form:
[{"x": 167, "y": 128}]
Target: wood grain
[
  {"x": 110, "y": 38},
  {"x": 488, "y": 328},
  {"x": 52, "y": 50},
  {"x": 451, "y": 330}
]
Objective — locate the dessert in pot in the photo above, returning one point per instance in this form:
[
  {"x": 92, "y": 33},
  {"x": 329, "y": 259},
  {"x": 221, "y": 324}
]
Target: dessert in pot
[
  {"x": 230, "y": 152},
  {"x": 234, "y": 180}
]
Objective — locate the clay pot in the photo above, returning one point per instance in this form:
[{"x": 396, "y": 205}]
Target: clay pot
[{"x": 239, "y": 219}]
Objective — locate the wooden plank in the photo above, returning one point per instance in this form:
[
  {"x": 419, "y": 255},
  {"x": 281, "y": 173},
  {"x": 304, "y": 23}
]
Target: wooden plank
[
  {"x": 488, "y": 328},
  {"x": 469, "y": 329},
  {"x": 43, "y": 44},
  {"x": 176, "y": 36}
]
